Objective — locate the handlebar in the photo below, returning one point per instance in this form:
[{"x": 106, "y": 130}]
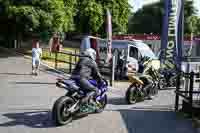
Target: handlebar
[{"x": 104, "y": 80}]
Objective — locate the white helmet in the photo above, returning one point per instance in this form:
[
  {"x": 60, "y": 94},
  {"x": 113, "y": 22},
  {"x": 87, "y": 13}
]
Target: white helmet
[{"x": 91, "y": 53}]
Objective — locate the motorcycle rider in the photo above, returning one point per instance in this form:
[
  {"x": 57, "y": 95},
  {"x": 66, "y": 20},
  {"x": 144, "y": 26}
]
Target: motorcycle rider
[{"x": 87, "y": 69}]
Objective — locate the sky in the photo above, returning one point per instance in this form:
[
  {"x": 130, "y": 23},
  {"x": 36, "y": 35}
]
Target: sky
[
  {"x": 138, "y": 4},
  {"x": 197, "y": 5}
]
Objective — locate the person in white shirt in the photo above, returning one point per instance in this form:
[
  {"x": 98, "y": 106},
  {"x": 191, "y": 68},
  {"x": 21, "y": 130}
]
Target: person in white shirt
[{"x": 36, "y": 54}]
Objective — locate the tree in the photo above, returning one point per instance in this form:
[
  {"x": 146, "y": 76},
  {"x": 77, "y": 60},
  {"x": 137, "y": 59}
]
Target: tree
[
  {"x": 194, "y": 25},
  {"x": 189, "y": 11},
  {"x": 37, "y": 16},
  {"x": 198, "y": 27},
  {"x": 149, "y": 19},
  {"x": 120, "y": 10},
  {"x": 192, "y": 21},
  {"x": 71, "y": 11},
  {"x": 91, "y": 16},
  {"x": 48, "y": 16}
]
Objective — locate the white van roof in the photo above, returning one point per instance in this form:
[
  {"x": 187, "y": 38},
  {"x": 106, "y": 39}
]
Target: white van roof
[
  {"x": 125, "y": 43},
  {"x": 143, "y": 47}
]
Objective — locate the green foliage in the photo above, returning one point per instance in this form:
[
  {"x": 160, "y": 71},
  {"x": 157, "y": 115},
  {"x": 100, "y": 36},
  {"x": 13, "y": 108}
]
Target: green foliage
[
  {"x": 48, "y": 16},
  {"x": 120, "y": 10},
  {"x": 198, "y": 27},
  {"x": 149, "y": 19},
  {"x": 38, "y": 15},
  {"x": 91, "y": 17},
  {"x": 192, "y": 22},
  {"x": 189, "y": 11}
]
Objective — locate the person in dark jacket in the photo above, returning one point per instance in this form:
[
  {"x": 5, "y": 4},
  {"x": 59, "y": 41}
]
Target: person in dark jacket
[
  {"x": 120, "y": 64},
  {"x": 87, "y": 69}
]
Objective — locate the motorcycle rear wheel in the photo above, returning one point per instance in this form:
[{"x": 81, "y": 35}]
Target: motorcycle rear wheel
[
  {"x": 132, "y": 95},
  {"x": 162, "y": 84},
  {"x": 60, "y": 113},
  {"x": 155, "y": 89}
]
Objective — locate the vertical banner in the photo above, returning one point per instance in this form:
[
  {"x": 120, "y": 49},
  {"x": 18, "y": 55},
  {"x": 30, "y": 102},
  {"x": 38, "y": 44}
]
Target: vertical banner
[
  {"x": 180, "y": 33},
  {"x": 164, "y": 32},
  {"x": 172, "y": 36},
  {"x": 109, "y": 35}
]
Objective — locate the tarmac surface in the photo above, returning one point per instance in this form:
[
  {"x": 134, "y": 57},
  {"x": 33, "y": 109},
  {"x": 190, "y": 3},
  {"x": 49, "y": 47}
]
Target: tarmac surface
[{"x": 26, "y": 102}]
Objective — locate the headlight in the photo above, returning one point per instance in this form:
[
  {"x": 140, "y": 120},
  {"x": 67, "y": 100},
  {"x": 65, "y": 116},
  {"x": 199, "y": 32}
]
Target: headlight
[{"x": 155, "y": 64}]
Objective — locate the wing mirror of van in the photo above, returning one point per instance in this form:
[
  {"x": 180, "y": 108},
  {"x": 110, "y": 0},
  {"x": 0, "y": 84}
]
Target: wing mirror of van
[{"x": 160, "y": 54}]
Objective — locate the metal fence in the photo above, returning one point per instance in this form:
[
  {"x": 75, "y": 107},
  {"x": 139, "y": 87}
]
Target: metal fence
[
  {"x": 69, "y": 59},
  {"x": 66, "y": 61},
  {"x": 188, "y": 88}
]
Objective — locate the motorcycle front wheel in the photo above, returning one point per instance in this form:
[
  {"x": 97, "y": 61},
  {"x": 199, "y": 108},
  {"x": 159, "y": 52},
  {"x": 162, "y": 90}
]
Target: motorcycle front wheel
[
  {"x": 132, "y": 95},
  {"x": 60, "y": 113},
  {"x": 162, "y": 84},
  {"x": 103, "y": 103},
  {"x": 155, "y": 89}
]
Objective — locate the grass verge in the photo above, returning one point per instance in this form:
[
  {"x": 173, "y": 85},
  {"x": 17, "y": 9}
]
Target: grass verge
[
  {"x": 46, "y": 55},
  {"x": 49, "y": 58}
]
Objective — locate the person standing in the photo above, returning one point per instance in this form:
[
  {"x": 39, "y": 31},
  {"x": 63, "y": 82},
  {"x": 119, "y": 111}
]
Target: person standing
[
  {"x": 120, "y": 64},
  {"x": 36, "y": 55}
]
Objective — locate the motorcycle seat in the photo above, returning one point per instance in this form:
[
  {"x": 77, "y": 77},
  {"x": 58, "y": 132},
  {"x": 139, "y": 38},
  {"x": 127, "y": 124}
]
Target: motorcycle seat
[
  {"x": 145, "y": 76},
  {"x": 71, "y": 84},
  {"x": 135, "y": 79}
]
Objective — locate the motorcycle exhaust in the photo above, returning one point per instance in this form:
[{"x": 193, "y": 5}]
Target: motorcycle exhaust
[{"x": 60, "y": 85}]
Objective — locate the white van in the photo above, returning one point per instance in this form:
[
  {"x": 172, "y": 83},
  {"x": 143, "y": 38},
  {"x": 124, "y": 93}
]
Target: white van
[{"x": 130, "y": 51}]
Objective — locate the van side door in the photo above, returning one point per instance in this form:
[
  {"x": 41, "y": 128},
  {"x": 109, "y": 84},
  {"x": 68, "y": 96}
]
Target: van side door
[
  {"x": 132, "y": 58},
  {"x": 133, "y": 52}
]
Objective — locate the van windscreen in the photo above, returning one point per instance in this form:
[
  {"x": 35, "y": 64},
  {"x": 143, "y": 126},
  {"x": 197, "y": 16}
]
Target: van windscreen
[
  {"x": 145, "y": 50},
  {"x": 133, "y": 52}
]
